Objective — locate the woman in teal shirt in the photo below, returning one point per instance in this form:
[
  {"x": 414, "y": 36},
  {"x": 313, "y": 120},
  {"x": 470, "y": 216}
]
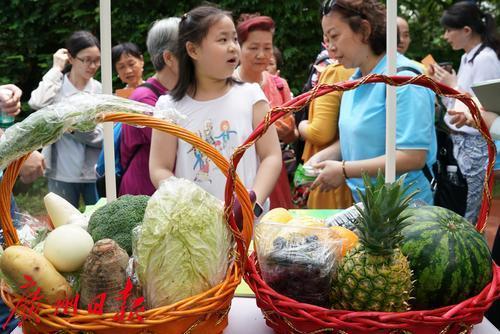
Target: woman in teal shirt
[{"x": 356, "y": 37}]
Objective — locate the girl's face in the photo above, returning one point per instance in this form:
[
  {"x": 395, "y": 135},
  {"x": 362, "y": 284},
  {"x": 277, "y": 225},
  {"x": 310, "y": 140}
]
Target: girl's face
[
  {"x": 219, "y": 52},
  {"x": 257, "y": 50},
  {"x": 129, "y": 69},
  {"x": 344, "y": 44},
  {"x": 86, "y": 62},
  {"x": 457, "y": 38}
]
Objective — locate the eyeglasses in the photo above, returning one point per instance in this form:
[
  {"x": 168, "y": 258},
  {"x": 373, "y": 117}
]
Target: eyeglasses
[
  {"x": 328, "y": 6},
  {"x": 89, "y": 61}
]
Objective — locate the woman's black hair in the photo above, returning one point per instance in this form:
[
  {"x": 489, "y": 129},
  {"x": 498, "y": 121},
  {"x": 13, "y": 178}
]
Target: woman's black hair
[
  {"x": 194, "y": 26},
  {"x": 78, "y": 41},
  {"x": 355, "y": 11},
  {"x": 127, "y": 48},
  {"x": 468, "y": 14}
]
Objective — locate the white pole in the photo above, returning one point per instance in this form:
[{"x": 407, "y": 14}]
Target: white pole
[
  {"x": 107, "y": 88},
  {"x": 390, "y": 136}
]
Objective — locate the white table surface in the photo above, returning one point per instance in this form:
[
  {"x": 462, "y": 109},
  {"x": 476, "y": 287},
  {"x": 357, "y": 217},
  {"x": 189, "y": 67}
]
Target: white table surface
[{"x": 245, "y": 318}]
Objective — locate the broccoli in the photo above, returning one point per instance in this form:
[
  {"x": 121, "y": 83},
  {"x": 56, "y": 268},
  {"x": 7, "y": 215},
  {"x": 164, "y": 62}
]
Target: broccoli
[{"x": 117, "y": 219}]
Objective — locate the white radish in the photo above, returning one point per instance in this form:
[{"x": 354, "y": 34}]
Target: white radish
[
  {"x": 59, "y": 209},
  {"x": 79, "y": 220}
]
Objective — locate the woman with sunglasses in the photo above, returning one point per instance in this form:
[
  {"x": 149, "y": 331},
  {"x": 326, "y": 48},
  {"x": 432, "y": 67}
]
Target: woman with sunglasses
[
  {"x": 356, "y": 35},
  {"x": 70, "y": 162}
]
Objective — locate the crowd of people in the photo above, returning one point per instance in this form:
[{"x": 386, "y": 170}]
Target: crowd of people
[{"x": 225, "y": 76}]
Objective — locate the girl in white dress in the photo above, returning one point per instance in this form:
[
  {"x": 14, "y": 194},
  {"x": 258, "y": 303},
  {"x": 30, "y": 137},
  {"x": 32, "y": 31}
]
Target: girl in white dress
[{"x": 221, "y": 110}]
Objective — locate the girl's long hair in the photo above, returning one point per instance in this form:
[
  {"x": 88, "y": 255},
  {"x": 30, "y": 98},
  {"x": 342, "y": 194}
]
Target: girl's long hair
[{"x": 194, "y": 27}]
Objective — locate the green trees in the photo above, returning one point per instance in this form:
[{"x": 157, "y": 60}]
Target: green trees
[{"x": 32, "y": 30}]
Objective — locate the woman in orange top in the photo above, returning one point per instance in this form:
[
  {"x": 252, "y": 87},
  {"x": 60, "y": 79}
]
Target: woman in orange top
[
  {"x": 255, "y": 35},
  {"x": 320, "y": 131}
]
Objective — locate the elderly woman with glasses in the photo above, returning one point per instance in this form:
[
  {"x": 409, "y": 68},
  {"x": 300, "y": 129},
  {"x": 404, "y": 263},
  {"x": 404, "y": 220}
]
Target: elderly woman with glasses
[
  {"x": 70, "y": 161},
  {"x": 355, "y": 30}
]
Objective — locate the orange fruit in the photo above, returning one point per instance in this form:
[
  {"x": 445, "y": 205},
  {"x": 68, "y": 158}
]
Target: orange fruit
[
  {"x": 277, "y": 215},
  {"x": 350, "y": 239}
]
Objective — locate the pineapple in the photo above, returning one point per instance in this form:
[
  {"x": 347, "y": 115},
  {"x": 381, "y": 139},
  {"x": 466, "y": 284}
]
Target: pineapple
[{"x": 376, "y": 276}]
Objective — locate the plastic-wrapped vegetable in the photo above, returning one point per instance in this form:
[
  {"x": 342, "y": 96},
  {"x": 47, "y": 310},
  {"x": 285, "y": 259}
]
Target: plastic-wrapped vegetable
[
  {"x": 78, "y": 112},
  {"x": 298, "y": 261},
  {"x": 184, "y": 244}
]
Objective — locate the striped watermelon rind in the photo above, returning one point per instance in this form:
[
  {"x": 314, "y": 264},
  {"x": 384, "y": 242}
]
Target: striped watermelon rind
[{"x": 450, "y": 260}]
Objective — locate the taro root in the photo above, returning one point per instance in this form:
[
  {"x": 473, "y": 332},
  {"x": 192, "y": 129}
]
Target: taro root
[{"x": 104, "y": 272}]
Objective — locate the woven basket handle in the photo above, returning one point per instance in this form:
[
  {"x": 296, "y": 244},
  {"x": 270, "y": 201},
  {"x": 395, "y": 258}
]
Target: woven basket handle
[
  {"x": 298, "y": 102},
  {"x": 242, "y": 237}
]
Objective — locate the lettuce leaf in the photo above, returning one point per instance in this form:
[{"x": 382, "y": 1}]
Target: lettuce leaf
[{"x": 183, "y": 246}]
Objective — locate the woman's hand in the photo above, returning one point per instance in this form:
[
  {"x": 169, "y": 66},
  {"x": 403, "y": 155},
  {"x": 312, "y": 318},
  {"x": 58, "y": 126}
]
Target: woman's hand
[
  {"x": 315, "y": 159},
  {"x": 60, "y": 59},
  {"x": 460, "y": 119},
  {"x": 330, "y": 177},
  {"x": 33, "y": 168},
  {"x": 443, "y": 76},
  {"x": 331, "y": 152}
]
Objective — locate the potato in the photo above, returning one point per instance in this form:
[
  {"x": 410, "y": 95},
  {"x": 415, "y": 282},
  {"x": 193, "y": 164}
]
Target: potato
[{"x": 18, "y": 261}]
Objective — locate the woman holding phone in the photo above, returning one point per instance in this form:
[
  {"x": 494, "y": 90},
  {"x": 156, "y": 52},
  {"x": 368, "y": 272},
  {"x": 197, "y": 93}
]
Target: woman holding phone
[{"x": 468, "y": 28}]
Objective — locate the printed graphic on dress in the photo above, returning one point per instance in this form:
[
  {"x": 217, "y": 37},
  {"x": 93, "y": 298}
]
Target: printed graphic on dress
[
  {"x": 226, "y": 142},
  {"x": 225, "y": 136},
  {"x": 208, "y": 136},
  {"x": 201, "y": 166}
]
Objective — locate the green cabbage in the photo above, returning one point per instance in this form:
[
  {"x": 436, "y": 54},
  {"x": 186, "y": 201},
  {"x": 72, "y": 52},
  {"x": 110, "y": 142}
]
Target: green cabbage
[{"x": 183, "y": 246}]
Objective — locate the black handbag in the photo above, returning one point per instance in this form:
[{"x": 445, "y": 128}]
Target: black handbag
[{"x": 450, "y": 194}]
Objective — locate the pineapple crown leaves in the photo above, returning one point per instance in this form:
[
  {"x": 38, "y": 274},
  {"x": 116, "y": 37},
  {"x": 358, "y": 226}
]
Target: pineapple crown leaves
[{"x": 381, "y": 221}]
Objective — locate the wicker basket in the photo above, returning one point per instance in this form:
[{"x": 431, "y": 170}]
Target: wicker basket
[
  {"x": 203, "y": 313},
  {"x": 286, "y": 315}
]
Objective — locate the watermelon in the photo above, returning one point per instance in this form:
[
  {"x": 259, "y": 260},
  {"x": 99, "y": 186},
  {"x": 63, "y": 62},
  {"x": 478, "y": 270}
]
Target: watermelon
[{"x": 450, "y": 260}]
